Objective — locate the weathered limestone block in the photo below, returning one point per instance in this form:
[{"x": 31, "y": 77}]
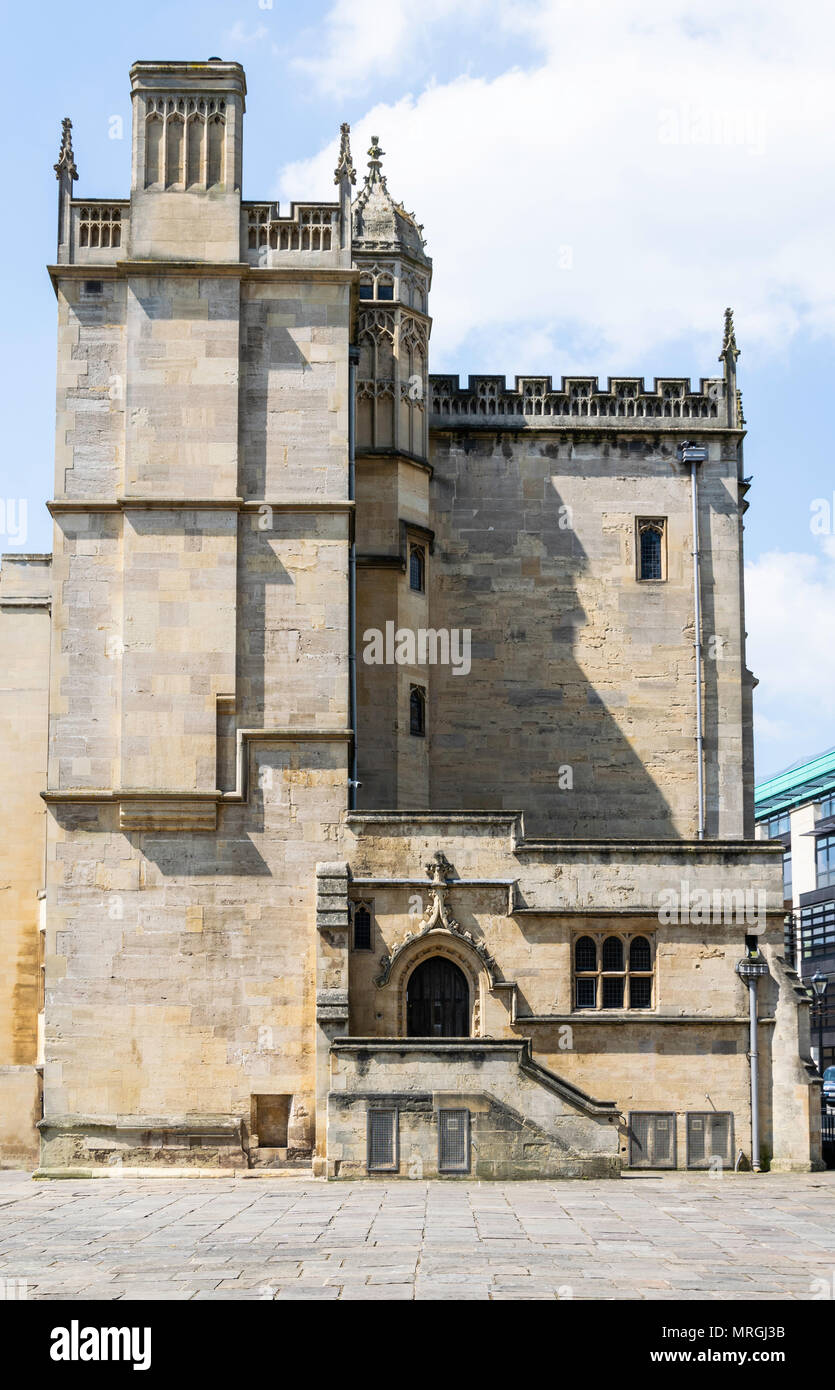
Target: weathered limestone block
[{"x": 188, "y": 1141}]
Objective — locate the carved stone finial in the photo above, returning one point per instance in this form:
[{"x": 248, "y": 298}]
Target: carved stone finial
[
  {"x": 729, "y": 340},
  {"x": 344, "y": 166},
  {"x": 375, "y": 163},
  {"x": 66, "y": 158},
  {"x": 437, "y": 918}
]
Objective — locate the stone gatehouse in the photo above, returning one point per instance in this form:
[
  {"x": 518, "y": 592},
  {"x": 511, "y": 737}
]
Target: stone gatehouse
[{"x": 382, "y": 753}]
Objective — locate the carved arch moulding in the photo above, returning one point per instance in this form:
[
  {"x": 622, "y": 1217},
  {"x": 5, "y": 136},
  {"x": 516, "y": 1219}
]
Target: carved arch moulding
[{"x": 438, "y": 933}]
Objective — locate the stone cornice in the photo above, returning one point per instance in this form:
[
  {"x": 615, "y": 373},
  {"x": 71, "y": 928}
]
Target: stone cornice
[
  {"x": 59, "y": 505},
  {"x": 241, "y": 270},
  {"x": 153, "y": 810},
  {"x": 639, "y": 1017},
  {"x": 564, "y": 848},
  {"x": 686, "y": 848},
  {"x": 24, "y": 601},
  {"x": 566, "y": 425},
  {"x": 393, "y": 817}
]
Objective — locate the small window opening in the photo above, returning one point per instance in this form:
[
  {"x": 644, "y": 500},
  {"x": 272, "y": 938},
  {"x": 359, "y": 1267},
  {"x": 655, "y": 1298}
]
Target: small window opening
[
  {"x": 417, "y": 711},
  {"x": 417, "y": 569},
  {"x": 651, "y": 542},
  {"x": 362, "y": 927}
]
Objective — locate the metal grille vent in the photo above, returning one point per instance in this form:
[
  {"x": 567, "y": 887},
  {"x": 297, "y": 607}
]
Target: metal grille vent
[
  {"x": 453, "y": 1141},
  {"x": 652, "y": 1139},
  {"x": 382, "y": 1140},
  {"x": 710, "y": 1135}
]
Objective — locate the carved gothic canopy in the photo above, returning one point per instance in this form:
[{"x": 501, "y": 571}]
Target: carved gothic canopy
[{"x": 437, "y": 919}]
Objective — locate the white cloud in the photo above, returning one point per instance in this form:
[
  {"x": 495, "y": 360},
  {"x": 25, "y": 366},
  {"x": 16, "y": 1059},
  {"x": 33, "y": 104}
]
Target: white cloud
[
  {"x": 363, "y": 40},
  {"x": 790, "y": 616},
  {"x": 240, "y": 37},
  {"x": 683, "y": 160}
]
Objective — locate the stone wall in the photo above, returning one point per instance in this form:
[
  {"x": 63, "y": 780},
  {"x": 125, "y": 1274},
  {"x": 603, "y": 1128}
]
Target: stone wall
[
  {"x": 181, "y": 965},
  {"x": 24, "y": 685},
  {"x": 580, "y": 705}
]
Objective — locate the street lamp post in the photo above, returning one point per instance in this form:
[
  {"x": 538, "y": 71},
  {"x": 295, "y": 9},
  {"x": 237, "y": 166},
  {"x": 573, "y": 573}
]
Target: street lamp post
[
  {"x": 751, "y": 969},
  {"x": 819, "y": 983}
]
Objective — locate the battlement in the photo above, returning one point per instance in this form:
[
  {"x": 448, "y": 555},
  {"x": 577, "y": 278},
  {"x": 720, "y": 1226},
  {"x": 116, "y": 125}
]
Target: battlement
[{"x": 533, "y": 401}]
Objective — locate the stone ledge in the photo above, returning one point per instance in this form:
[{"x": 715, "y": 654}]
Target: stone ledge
[
  {"x": 157, "y": 1171},
  {"x": 173, "y": 814},
  {"x": 70, "y": 1142},
  {"x": 190, "y": 1123}
]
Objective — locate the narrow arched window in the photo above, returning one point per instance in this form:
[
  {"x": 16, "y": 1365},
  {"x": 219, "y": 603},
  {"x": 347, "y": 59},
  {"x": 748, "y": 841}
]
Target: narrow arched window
[
  {"x": 417, "y": 569},
  {"x": 153, "y": 151},
  {"x": 417, "y": 711},
  {"x": 640, "y": 957},
  {"x": 612, "y": 984},
  {"x": 214, "y": 154},
  {"x": 613, "y": 953},
  {"x": 174, "y": 151},
  {"x": 362, "y": 927},
  {"x": 585, "y": 954},
  {"x": 585, "y": 984},
  {"x": 640, "y": 973},
  {"x": 651, "y": 549}
]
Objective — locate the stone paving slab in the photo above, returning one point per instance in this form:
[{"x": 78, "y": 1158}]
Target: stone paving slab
[{"x": 672, "y": 1236}]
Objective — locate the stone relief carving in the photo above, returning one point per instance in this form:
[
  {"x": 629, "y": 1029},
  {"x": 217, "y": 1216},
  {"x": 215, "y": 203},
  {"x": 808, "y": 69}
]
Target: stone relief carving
[{"x": 438, "y": 918}]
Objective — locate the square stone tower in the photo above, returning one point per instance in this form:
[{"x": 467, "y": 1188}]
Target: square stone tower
[{"x": 200, "y": 693}]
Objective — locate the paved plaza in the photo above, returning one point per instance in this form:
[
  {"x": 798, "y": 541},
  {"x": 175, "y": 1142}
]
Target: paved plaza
[{"x": 650, "y": 1237}]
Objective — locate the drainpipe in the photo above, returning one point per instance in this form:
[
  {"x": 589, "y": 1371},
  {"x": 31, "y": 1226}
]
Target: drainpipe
[
  {"x": 353, "y": 784},
  {"x": 750, "y": 970},
  {"x": 695, "y": 454}
]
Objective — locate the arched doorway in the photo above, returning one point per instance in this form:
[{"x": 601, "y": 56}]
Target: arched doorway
[{"x": 437, "y": 1000}]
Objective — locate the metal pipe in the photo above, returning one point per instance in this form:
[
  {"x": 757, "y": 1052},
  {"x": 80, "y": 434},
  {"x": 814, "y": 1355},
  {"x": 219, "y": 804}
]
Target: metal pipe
[
  {"x": 697, "y": 643},
  {"x": 353, "y": 783},
  {"x": 755, "y": 1080}
]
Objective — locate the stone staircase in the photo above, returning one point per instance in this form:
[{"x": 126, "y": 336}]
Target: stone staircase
[{"x": 521, "y": 1120}]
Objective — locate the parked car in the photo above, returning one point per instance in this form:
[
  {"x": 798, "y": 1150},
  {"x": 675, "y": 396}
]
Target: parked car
[{"x": 829, "y": 1086}]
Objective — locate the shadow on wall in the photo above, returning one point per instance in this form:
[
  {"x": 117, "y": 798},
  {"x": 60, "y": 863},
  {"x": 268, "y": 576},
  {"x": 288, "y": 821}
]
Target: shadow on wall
[{"x": 527, "y": 729}]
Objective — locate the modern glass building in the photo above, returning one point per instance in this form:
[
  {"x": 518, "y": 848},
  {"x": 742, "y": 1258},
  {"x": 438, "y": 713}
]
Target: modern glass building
[{"x": 797, "y": 807}]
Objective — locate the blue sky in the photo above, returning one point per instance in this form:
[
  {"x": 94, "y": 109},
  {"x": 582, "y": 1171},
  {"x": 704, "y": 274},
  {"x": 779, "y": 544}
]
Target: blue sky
[{"x": 680, "y": 153}]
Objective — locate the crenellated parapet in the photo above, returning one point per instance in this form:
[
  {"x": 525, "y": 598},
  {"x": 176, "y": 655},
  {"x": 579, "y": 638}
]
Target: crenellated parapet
[{"x": 535, "y": 401}]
